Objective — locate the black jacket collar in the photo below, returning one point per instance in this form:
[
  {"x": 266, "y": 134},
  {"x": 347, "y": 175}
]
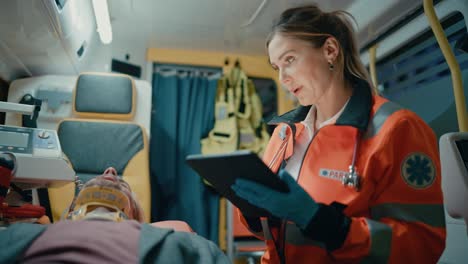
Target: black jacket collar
[{"x": 356, "y": 113}]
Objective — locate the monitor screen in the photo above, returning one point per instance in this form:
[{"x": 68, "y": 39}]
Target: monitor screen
[
  {"x": 462, "y": 146},
  {"x": 14, "y": 139}
]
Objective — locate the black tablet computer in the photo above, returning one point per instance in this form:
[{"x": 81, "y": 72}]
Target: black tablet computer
[{"x": 222, "y": 170}]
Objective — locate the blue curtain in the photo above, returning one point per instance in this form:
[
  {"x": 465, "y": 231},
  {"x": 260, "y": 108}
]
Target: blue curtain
[{"x": 182, "y": 114}]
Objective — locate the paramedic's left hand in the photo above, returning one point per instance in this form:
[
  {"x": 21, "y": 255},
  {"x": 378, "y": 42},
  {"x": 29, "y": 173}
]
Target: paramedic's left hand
[{"x": 296, "y": 205}]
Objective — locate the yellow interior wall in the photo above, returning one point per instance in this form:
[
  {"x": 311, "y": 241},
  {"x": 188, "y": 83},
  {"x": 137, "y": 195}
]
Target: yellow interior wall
[{"x": 254, "y": 66}]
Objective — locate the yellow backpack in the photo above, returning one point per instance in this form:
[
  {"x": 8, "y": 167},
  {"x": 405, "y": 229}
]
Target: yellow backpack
[
  {"x": 256, "y": 120},
  {"x": 238, "y": 117},
  {"x": 223, "y": 137}
]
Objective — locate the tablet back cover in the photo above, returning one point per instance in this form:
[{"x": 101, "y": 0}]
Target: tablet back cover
[{"x": 222, "y": 170}]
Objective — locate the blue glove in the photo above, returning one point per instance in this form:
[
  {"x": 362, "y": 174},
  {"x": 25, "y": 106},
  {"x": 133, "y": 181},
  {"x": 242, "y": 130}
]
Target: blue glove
[{"x": 296, "y": 205}]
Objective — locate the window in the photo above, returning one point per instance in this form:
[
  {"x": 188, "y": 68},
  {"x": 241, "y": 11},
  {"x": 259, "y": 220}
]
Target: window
[{"x": 417, "y": 76}]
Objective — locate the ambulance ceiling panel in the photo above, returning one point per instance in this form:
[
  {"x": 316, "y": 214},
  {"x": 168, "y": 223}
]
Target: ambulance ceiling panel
[
  {"x": 218, "y": 24},
  {"x": 202, "y": 24},
  {"x": 37, "y": 37}
]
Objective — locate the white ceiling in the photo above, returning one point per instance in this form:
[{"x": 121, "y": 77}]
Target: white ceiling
[
  {"x": 216, "y": 25},
  {"x": 202, "y": 24},
  {"x": 35, "y": 39}
]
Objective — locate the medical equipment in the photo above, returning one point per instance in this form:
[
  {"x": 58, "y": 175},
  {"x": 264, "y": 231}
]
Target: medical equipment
[
  {"x": 39, "y": 158},
  {"x": 454, "y": 164},
  {"x": 351, "y": 179},
  {"x": 115, "y": 201}
]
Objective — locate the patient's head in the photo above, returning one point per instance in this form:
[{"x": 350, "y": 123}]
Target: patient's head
[{"x": 107, "y": 194}]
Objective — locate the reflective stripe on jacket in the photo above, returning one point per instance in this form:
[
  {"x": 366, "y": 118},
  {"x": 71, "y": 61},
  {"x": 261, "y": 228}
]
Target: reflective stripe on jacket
[{"x": 397, "y": 216}]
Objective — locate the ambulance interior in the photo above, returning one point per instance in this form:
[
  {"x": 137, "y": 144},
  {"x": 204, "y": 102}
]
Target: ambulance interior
[{"x": 133, "y": 83}]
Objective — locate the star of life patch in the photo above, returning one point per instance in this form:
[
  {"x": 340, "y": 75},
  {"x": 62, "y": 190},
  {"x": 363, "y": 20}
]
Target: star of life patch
[
  {"x": 418, "y": 170},
  {"x": 332, "y": 174}
]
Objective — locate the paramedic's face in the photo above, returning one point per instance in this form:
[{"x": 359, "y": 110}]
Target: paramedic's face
[{"x": 302, "y": 68}]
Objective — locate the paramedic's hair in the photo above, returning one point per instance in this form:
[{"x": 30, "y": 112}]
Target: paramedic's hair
[{"x": 311, "y": 24}]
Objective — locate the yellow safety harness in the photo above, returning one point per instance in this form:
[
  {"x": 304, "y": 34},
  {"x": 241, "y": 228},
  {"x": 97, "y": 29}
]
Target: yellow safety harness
[{"x": 238, "y": 117}]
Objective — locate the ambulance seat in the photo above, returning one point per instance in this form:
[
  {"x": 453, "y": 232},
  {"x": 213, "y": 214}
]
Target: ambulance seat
[
  {"x": 243, "y": 245},
  {"x": 56, "y": 92},
  {"x": 101, "y": 135},
  {"x": 454, "y": 163}
]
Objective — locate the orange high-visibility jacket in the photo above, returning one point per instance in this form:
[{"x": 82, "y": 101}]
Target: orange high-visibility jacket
[{"x": 396, "y": 216}]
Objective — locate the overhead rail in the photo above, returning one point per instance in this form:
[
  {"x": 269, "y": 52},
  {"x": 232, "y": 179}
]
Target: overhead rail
[
  {"x": 452, "y": 63},
  {"x": 255, "y": 14},
  {"x": 395, "y": 26},
  {"x": 372, "y": 66}
]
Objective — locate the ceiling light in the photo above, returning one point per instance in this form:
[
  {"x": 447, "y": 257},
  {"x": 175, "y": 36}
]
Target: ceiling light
[{"x": 101, "y": 12}]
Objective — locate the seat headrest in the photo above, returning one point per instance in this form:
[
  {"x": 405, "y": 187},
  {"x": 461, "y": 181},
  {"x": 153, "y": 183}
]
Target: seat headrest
[{"x": 104, "y": 96}]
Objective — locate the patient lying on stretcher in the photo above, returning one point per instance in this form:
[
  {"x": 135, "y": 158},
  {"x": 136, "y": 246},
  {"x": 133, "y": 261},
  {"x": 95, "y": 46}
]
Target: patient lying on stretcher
[{"x": 104, "y": 225}]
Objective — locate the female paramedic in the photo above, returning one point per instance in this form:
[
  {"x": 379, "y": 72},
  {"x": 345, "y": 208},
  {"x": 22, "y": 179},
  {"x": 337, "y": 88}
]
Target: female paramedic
[{"x": 363, "y": 173}]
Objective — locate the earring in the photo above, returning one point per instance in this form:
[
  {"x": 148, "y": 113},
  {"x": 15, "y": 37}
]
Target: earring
[{"x": 331, "y": 67}]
